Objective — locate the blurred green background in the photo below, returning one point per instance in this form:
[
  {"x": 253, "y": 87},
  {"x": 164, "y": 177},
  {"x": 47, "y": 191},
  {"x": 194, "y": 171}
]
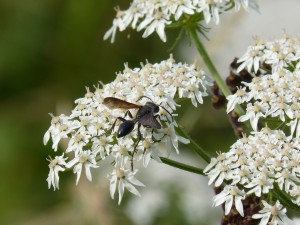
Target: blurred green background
[{"x": 49, "y": 51}]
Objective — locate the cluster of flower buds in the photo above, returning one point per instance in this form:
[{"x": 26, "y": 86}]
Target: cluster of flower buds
[
  {"x": 155, "y": 15},
  {"x": 88, "y": 129}
]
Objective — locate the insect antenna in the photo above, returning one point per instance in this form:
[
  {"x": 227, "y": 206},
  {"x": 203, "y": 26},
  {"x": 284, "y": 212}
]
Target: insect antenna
[{"x": 144, "y": 97}]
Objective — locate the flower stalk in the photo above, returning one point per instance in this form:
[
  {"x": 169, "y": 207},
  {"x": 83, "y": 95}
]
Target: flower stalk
[
  {"x": 200, "y": 151},
  {"x": 211, "y": 67},
  {"x": 182, "y": 166}
]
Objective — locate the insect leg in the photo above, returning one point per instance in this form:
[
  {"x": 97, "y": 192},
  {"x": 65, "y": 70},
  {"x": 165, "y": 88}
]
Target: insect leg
[
  {"x": 139, "y": 136},
  {"x": 118, "y": 118},
  {"x": 129, "y": 114},
  {"x": 122, "y": 119},
  {"x": 139, "y": 139}
]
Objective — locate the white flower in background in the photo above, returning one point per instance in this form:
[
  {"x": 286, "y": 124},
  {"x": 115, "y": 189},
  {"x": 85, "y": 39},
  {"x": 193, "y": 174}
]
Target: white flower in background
[
  {"x": 278, "y": 54},
  {"x": 122, "y": 151},
  {"x": 259, "y": 184},
  {"x": 86, "y": 159},
  {"x": 56, "y": 165},
  {"x": 60, "y": 127},
  {"x": 253, "y": 113},
  {"x": 274, "y": 95},
  {"x": 252, "y": 58},
  {"x": 245, "y": 4},
  {"x": 156, "y": 15},
  {"x": 266, "y": 158},
  {"x": 256, "y": 163},
  {"x": 169, "y": 136},
  {"x": 88, "y": 131},
  {"x": 238, "y": 98},
  {"x": 229, "y": 195},
  {"x": 123, "y": 178},
  {"x": 155, "y": 22},
  {"x": 276, "y": 214}
]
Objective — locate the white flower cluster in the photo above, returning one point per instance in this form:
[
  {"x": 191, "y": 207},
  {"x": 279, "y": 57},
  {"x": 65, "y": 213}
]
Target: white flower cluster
[
  {"x": 276, "y": 214},
  {"x": 154, "y": 15},
  {"x": 273, "y": 95},
  {"x": 88, "y": 129},
  {"x": 278, "y": 54},
  {"x": 276, "y": 95},
  {"x": 253, "y": 165}
]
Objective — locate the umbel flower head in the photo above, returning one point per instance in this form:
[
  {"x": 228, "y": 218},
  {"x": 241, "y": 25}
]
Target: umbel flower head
[
  {"x": 276, "y": 214},
  {"x": 275, "y": 89},
  {"x": 88, "y": 129},
  {"x": 155, "y": 15},
  {"x": 255, "y": 165},
  {"x": 278, "y": 54}
]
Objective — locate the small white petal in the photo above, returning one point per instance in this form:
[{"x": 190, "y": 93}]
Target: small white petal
[
  {"x": 132, "y": 189},
  {"x": 113, "y": 186},
  {"x": 121, "y": 190}
]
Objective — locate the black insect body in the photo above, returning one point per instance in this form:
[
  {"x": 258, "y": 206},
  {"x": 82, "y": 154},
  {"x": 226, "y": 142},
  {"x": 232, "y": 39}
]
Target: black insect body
[
  {"x": 146, "y": 116},
  {"x": 125, "y": 128}
]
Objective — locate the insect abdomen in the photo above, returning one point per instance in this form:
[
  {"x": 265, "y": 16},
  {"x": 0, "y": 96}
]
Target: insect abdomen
[{"x": 125, "y": 128}]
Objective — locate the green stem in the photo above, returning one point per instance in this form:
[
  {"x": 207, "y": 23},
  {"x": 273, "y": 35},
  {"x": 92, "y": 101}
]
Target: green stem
[
  {"x": 194, "y": 145},
  {"x": 285, "y": 199},
  {"x": 182, "y": 166},
  {"x": 212, "y": 69}
]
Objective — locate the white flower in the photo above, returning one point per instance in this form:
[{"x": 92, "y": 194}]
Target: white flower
[
  {"x": 118, "y": 23},
  {"x": 56, "y": 165},
  {"x": 295, "y": 193},
  {"x": 123, "y": 178},
  {"x": 252, "y": 58},
  {"x": 258, "y": 162},
  {"x": 102, "y": 145},
  {"x": 276, "y": 214},
  {"x": 151, "y": 151},
  {"x": 122, "y": 151},
  {"x": 86, "y": 159},
  {"x": 155, "y": 22},
  {"x": 254, "y": 113},
  {"x": 230, "y": 195},
  {"x": 218, "y": 174},
  {"x": 182, "y": 7},
  {"x": 60, "y": 127},
  {"x": 246, "y": 4},
  {"x": 155, "y": 15},
  {"x": 214, "y": 161},
  {"x": 260, "y": 184},
  {"x": 278, "y": 54},
  {"x": 78, "y": 141},
  {"x": 90, "y": 131},
  {"x": 170, "y": 138},
  {"x": 210, "y": 10},
  {"x": 276, "y": 92},
  {"x": 286, "y": 178},
  {"x": 239, "y": 97}
]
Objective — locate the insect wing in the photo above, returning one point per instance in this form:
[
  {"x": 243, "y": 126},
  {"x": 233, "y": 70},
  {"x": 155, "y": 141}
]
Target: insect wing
[
  {"x": 115, "y": 103},
  {"x": 148, "y": 120}
]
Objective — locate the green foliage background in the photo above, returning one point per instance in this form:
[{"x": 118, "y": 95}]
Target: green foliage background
[{"x": 49, "y": 51}]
